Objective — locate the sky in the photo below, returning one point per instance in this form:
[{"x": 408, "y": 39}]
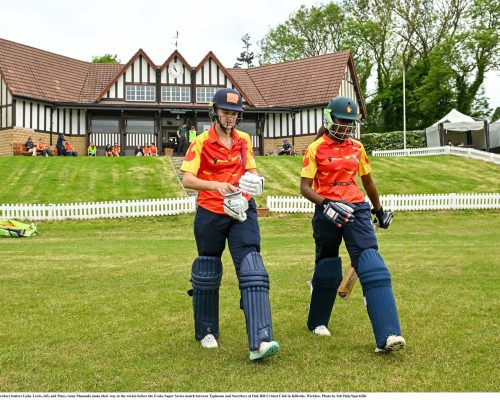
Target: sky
[{"x": 83, "y": 29}]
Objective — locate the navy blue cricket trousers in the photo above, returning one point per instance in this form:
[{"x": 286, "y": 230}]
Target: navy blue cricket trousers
[
  {"x": 211, "y": 231},
  {"x": 358, "y": 236}
]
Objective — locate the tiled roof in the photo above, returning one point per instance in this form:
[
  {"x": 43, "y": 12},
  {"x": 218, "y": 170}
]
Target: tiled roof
[
  {"x": 122, "y": 71},
  {"x": 40, "y": 74},
  {"x": 248, "y": 86},
  {"x": 314, "y": 80},
  {"x": 98, "y": 77}
]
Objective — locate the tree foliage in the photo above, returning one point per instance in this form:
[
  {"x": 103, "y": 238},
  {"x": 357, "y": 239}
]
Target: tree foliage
[
  {"x": 106, "y": 59},
  {"x": 392, "y": 140},
  {"x": 496, "y": 115},
  {"x": 442, "y": 47},
  {"x": 315, "y": 31},
  {"x": 246, "y": 57}
]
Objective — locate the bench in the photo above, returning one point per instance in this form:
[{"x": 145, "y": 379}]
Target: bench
[{"x": 19, "y": 149}]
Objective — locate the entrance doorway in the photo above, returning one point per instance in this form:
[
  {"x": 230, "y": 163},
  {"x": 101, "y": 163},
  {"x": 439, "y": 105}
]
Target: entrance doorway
[{"x": 169, "y": 138}]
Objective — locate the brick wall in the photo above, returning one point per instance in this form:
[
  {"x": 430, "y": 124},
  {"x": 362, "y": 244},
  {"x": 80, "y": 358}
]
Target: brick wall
[
  {"x": 299, "y": 143},
  {"x": 19, "y": 135}
]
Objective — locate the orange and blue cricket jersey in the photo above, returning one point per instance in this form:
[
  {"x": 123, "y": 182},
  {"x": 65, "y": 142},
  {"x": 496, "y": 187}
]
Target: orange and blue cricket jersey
[
  {"x": 333, "y": 166},
  {"x": 208, "y": 159}
]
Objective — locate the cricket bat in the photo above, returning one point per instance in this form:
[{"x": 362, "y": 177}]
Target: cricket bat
[{"x": 347, "y": 284}]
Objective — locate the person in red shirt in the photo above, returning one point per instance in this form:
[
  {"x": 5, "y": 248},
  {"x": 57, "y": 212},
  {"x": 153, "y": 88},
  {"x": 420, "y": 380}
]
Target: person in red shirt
[
  {"x": 216, "y": 163},
  {"x": 153, "y": 150},
  {"x": 146, "y": 150},
  {"x": 43, "y": 149},
  {"x": 69, "y": 150},
  {"x": 328, "y": 179},
  {"x": 116, "y": 150}
]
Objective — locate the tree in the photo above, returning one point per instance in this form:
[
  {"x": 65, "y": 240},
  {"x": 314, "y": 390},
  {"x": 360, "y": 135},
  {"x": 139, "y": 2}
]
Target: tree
[
  {"x": 398, "y": 34},
  {"x": 106, "y": 59},
  {"x": 246, "y": 56},
  {"x": 476, "y": 51},
  {"x": 496, "y": 115},
  {"x": 443, "y": 47},
  {"x": 314, "y": 31}
]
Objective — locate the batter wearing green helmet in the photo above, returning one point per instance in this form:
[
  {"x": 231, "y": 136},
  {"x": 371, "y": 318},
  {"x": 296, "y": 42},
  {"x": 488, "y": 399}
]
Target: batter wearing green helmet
[{"x": 328, "y": 179}]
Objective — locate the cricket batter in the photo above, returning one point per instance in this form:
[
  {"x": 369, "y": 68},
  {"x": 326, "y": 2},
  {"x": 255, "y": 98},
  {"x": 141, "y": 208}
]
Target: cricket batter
[
  {"x": 216, "y": 163},
  {"x": 328, "y": 179}
]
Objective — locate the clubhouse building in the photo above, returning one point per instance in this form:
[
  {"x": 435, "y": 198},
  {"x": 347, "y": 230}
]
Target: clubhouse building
[{"x": 43, "y": 94}]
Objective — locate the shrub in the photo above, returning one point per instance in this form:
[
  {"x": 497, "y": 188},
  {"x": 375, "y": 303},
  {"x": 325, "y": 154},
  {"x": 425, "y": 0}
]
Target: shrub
[{"x": 392, "y": 140}]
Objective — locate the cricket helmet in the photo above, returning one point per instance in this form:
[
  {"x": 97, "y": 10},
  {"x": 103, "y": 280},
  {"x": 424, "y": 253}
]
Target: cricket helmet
[
  {"x": 227, "y": 99},
  {"x": 342, "y": 108}
]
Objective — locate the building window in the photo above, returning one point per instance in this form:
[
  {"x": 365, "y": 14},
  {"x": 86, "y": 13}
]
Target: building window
[
  {"x": 103, "y": 125},
  {"x": 205, "y": 94},
  {"x": 141, "y": 93},
  {"x": 249, "y": 127},
  {"x": 175, "y": 94},
  {"x": 140, "y": 126}
]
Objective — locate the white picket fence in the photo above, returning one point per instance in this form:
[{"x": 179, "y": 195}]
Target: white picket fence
[
  {"x": 187, "y": 205},
  {"x": 443, "y": 150},
  {"x": 114, "y": 209},
  {"x": 412, "y": 202}
]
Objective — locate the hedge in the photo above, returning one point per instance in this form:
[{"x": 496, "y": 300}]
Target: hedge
[{"x": 392, "y": 140}]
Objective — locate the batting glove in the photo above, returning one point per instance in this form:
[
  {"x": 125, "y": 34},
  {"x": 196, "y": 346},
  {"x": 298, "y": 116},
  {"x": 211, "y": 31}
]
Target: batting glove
[
  {"x": 252, "y": 184},
  {"x": 235, "y": 205},
  {"x": 338, "y": 213},
  {"x": 382, "y": 218}
]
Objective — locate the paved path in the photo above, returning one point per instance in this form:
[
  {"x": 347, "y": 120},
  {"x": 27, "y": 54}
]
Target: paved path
[{"x": 177, "y": 162}]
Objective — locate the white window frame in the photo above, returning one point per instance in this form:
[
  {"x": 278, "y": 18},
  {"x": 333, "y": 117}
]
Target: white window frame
[
  {"x": 140, "y": 93},
  {"x": 176, "y": 94},
  {"x": 205, "y": 94}
]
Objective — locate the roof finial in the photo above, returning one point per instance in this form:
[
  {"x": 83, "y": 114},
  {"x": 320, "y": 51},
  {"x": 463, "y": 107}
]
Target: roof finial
[{"x": 176, "y": 37}]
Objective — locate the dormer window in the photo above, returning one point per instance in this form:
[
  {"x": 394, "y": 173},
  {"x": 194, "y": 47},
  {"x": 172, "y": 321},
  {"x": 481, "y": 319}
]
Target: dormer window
[
  {"x": 141, "y": 93},
  {"x": 205, "y": 94},
  {"x": 172, "y": 94}
]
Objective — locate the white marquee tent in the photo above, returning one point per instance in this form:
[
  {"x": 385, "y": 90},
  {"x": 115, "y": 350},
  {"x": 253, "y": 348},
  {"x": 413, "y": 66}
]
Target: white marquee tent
[{"x": 459, "y": 128}]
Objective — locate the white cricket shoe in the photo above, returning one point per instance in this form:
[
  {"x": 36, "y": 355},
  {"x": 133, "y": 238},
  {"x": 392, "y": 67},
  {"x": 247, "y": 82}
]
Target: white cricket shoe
[
  {"x": 393, "y": 343},
  {"x": 322, "y": 330},
  {"x": 209, "y": 342},
  {"x": 266, "y": 349}
]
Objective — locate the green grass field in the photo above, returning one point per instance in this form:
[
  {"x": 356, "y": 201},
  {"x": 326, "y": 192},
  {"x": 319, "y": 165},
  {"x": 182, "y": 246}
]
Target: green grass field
[
  {"x": 82, "y": 179},
  {"x": 102, "y": 305},
  {"x": 39, "y": 180}
]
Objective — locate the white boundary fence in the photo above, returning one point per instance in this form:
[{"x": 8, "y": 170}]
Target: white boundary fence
[
  {"x": 187, "y": 205},
  {"x": 115, "y": 209},
  {"x": 443, "y": 150},
  {"x": 412, "y": 202}
]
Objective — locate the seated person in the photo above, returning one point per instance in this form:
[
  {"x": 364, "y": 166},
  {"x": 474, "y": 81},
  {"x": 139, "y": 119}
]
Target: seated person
[
  {"x": 146, "y": 150},
  {"x": 287, "y": 149},
  {"x": 138, "y": 151},
  {"x": 30, "y": 146},
  {"x": 92, "y": 150},
  {"x": 108, "y": 150},
  {"x": 69, "y": 150},
  {"x": 116, "y": 150},
  {"x": 43, "y": 149},
  {"x": 153, "y": 149}
]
